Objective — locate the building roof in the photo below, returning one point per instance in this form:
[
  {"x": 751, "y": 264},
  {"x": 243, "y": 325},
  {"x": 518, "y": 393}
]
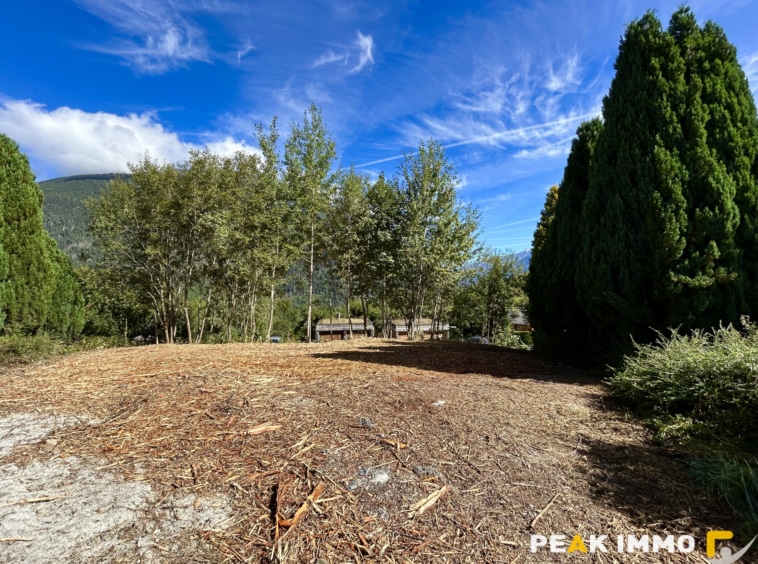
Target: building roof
[
  {"x": 518, "y": 317},
  {"x": 423, "y": 323},
  {"x": 336, "y": 324}
]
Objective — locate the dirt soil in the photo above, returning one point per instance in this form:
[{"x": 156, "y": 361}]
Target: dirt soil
[{"x": 337, "y": 452}]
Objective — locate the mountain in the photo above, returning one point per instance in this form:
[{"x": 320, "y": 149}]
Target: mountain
[
  {"x": 524, "y": 257},
  {"x": 65, "y": 216}
]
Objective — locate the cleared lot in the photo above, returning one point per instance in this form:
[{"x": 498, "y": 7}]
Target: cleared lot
[{"x": 342, "y": 451}]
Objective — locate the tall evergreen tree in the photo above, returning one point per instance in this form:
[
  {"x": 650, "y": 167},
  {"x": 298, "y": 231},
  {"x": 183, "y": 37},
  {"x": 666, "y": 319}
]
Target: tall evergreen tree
[
  {"x": 539, "y": 267},
  {"x": 37, "y": 286},
  {"x": 555, "y": 312},
  {"x": 634, "y": 220},
  {"x": 667, "y": 226}
]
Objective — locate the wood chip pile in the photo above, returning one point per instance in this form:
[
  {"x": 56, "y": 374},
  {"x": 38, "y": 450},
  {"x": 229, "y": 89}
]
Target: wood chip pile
[{"x": 366, "y": 450}]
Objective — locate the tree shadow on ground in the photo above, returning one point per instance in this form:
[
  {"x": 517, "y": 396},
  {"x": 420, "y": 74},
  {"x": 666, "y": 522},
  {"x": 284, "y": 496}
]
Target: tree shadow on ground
[
  {"x": 653, "y": 486},
  {"x": 454, "y": 357}
]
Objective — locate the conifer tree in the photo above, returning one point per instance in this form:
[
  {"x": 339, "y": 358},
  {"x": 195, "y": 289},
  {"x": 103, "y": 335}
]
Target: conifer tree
[
  {"x": 668, "y": 225},
  {"x": 539, "y": 266},
  {"x": 561, "y": 322},
  {"x": 37, "y": 285},
  {"x": 634, "y": 220}
]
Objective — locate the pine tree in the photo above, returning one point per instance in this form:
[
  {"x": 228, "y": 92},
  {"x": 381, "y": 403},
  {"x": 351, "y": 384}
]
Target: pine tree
[
  {"x": 561, "y": 323},
  {"x": 37, "y": 285},
  {"x": 634, "y": 220}
]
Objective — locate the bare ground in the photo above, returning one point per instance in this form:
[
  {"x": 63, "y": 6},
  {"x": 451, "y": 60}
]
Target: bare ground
[{"x": 318, "y": 453}]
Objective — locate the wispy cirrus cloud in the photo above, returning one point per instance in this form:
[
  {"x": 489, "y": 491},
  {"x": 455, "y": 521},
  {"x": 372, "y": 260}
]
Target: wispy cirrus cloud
[
  {"x": 362, "y": 49},
  {"x": 71, "y": 141},
  {"x": 244, "y": 50},
  {"x": 330, "y": 57},
  {"x": 153, "y": 37},
  {"x": 750, "y": 66},
  {"x": 365, "y": 45}
]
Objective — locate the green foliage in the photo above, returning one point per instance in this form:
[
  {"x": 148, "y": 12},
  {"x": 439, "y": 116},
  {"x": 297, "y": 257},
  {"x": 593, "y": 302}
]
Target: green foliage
[
  {"x": 309, "y": 154},
  {"x": 24, "y": 349},
  {"x": 490, "y": 290},
  {"x": 38, "y": 289},
  {"x": 436, "y": 234},
  {"x": 65, "y": 215},
  {"x": 634, "y": 219},
  {"x": 553, "y": 307},
  {"x": 704, "y": 383},
  {"x": 734, "y": 480},
  {"x": 527, "y": 337},
  {"x": 654, "y": 224}
]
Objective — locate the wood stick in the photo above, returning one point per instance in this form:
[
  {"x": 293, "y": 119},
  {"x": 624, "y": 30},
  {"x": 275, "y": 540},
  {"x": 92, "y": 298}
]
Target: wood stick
[
  {"x": 302, "y": 510},
  {"x": 544, "y": 510},
  {"x": 33, "y": 500},
  {"x": 422, "y": 505},
  {"x": 263, "y": 428}
]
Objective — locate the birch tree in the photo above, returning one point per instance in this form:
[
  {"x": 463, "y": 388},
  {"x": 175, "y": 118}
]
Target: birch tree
[{"x": 309, "y": 155}]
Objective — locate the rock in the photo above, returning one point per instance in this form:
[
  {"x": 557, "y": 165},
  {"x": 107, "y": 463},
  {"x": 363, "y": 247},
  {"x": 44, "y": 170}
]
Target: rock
[
  {"x": 428, "y": 472},
  {"x": 366, "y": 422}
]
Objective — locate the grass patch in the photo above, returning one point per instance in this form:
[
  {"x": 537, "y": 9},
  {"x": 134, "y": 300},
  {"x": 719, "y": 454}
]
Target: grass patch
[{"x": 23, "y": 349}]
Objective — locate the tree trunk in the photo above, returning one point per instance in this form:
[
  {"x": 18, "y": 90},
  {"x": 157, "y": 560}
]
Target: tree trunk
[
  {"x": 253, "y": 306},
  {"x": 189, "y": 325},
  {"x": 349, "y": 317},
  {"x": 205, "y": 316},
  {"x": 364, "y": 305},
  {"x": 310, "y": 281},
  {"x": 271, "y": 310}
]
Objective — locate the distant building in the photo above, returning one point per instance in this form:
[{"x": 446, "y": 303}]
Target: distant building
[
  {"x": 398, "y": 329},
  {"x": 519, "y": 320},
  {"x": 339, "y": 329}
]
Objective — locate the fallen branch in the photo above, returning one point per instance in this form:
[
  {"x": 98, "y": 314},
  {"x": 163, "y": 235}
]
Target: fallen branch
[
  {"x": 33, "y": 500},
  {"x": 544, "y": 510},
  {"x": 303, "y": 509},
  {"x": 422, "y": 505},
  {"x": 263, "y": 428},
  {"x": 15, "y": 539}
]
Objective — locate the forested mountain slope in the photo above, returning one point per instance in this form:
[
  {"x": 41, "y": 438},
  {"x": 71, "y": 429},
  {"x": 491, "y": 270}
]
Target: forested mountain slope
[{"x": 65, "y": 216}]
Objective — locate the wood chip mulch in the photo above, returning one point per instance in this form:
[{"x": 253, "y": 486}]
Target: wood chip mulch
[{"x": 370, "y": 450}]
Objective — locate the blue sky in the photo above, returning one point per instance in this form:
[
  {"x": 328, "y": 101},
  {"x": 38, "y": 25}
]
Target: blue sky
[{"x": 89, "y": 85}]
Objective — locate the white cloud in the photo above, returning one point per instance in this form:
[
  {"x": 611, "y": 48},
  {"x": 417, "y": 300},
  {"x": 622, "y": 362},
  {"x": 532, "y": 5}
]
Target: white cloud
[
  {"x": 69, "y": 141},
  {"x": 155, "y": 36},
  {"x": 750, "y": 66},
  {"x": 496, "y": 199},
  {"x": 566, "y": 77},
  {"x": 246, "y": 48},
  {"x": 328, "y": 58},
  {"x": 365, "y": 45}
]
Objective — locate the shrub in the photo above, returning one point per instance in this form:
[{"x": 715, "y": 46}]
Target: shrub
[
  {"x": 733, "y": 480},
  {"x": 702, "y": 383},
  {"x": 23, "y": 349},
  {"x": 700, "y": 390}
]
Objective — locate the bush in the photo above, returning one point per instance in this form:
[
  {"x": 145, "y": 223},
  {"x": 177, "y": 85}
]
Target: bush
[
  {"x": 20, "y": 349},
  {"x": 525, "y": 336},
  {"x": 700, "y": 390},
  {"x": 733, "y": 480},
  {"x": 699, "y": 384},
  {"x": 23, "y": 349}
]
